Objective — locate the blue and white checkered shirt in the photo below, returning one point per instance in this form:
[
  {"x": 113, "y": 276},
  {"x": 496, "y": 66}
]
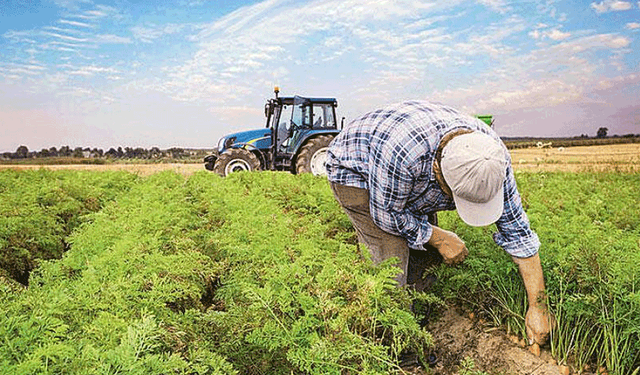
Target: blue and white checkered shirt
[{"x": 391, "y": 152}]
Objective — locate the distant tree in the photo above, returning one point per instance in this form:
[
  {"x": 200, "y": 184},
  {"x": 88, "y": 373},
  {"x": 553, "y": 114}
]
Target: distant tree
[
  {"x": 602, "y": 133},
  {"x": 128, "y": 152},
  {"x": 44, "y": 153},
  {"x": 111, "y": 153},
  {"x": 77, "y": 152},
  {"x": 176, "y": 152},
  {"x": 155, "y": 152},
  {"x": 120, "y": 152},
  {"x": 53, "y": 151},
  {"x": 22, "y": 152},
  {"x": 64, "y": 151}
]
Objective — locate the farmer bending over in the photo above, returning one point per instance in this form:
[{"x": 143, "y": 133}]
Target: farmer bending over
[{"x": 394, "y": 167}]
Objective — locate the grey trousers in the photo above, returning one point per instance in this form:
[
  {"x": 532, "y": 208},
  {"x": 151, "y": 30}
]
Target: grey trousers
[{"x": 383, "y": 245}]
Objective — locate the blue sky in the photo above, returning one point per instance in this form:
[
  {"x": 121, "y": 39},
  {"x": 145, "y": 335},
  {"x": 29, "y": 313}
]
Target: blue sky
[{"x": 93, "y": 73}]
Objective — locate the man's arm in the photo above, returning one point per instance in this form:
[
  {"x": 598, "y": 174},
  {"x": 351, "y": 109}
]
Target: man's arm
[{"x": 538, "y": 320}]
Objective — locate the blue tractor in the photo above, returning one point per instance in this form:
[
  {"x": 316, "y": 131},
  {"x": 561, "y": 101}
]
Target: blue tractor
[{"x": 298, "y": 132}]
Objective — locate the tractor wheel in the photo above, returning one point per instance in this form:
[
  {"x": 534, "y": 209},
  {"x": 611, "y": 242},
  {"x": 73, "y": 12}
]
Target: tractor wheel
[
  {"x": 313, "y": 156},
  {"x": 236, "y": 160}
]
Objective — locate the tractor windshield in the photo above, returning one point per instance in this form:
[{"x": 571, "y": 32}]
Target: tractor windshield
[{"x": 301, "y": 116}]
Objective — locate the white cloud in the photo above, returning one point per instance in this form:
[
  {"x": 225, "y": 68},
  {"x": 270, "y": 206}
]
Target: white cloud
[
  {"x": 150, "y": 33},
  {"x": 99, "y": 12},
  {"x": 559, "y": 74},
  {"x": 632, "y": 26},
  {"x": 92, "y": 70},
  {"x": 76, "y": 23},
  {"x": 65, "y": 37},
  {"x": 499, "y": 6},
  {"x": 611, "y": 6},
  {"x": 112, "y": 39},
  {"x": 553, "y": 34},
  {"x": 247, "y": 46},
  {"x": 71, "y": 4},
  {"x": 556, "y": 34}
]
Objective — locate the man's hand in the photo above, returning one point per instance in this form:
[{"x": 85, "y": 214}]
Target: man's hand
[
  {"x": 449, "y": 245},
  {"x": 538, "y": 321},
  {"x": 538, "y": 324}
]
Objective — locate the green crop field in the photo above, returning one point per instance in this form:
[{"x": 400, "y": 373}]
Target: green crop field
[{"x": 114, "y": 273}]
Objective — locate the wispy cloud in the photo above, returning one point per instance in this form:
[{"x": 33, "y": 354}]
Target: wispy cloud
[
  {"x": 76, "y": 23},
  {"x": 611, "y": 6},
  {"x": 71, "y": 4},
  {"x": 98, "y": 12},
  {"x": 150, "y": 33},
  {"x": 237, "y": 44},
  {"x": 543, "y": 31},
  {"x": 112, "y": 39},
  {"x": 92, "y": 70},
  {"x": 65, "y": 37},
  {"x": 499, "y": 6}
]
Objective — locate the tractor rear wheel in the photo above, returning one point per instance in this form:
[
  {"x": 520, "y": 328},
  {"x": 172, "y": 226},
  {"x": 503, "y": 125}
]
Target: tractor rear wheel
[
  {"x": 313, "y": 156},
  {"x": 236, "y": 160}
]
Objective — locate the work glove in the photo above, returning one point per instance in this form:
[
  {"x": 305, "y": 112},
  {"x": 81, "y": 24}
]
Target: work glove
[{"x": 449, "y": 245}]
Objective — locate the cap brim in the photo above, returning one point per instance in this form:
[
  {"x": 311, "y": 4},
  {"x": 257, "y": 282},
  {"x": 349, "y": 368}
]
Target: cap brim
[{"x": 480, "y": 214}]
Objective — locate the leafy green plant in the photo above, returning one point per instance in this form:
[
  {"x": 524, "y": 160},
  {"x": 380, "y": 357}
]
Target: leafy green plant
[
  {"x": 39, "y": 208},
  {"x": 260, "y": 273}
]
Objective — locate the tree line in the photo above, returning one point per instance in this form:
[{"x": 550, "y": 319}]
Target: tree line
[{"x": 23, "y": 152}]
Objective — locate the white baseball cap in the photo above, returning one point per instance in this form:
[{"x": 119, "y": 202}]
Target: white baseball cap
[{"x": 474, "y": 165}]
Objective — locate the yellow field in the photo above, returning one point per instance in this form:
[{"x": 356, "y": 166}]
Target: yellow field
[{"x": 617, "y": 157}]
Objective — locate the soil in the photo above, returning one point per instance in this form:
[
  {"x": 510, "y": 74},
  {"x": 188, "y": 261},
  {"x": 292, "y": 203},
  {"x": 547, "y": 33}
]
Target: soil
[{"x": 459, "y": 338}]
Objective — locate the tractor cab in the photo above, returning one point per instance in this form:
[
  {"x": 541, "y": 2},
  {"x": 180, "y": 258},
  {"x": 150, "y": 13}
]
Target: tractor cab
[{"x": 294, "y": 121}]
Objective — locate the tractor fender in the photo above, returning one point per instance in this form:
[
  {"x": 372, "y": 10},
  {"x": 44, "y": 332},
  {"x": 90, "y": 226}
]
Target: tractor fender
[{"x": 255, "y": 150}]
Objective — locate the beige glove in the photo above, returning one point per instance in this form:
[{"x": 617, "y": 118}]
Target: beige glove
[{"x": 449, "y": 245}]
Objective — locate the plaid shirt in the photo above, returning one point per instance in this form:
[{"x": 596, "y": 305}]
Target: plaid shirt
[{"x": 391, "y": 152}]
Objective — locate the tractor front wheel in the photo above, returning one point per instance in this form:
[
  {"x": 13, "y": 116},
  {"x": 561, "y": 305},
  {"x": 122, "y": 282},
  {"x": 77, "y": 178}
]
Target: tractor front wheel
[
  {"x": 236, "y": 160},
  {"x": 313, "y": 156}
]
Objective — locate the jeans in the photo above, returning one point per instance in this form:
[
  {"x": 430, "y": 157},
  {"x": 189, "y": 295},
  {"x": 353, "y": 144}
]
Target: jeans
[{"x": 383, "y": 245}]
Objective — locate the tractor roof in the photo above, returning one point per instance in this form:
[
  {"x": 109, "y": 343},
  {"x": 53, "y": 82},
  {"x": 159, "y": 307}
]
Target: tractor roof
[{"x": 290, "y": 99}]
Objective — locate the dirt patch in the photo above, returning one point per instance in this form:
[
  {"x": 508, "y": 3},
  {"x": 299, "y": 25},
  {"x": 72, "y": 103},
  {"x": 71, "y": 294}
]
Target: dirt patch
[
  {"x": 459, "y": 338},
  {"x": 467, "y": 346}
]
